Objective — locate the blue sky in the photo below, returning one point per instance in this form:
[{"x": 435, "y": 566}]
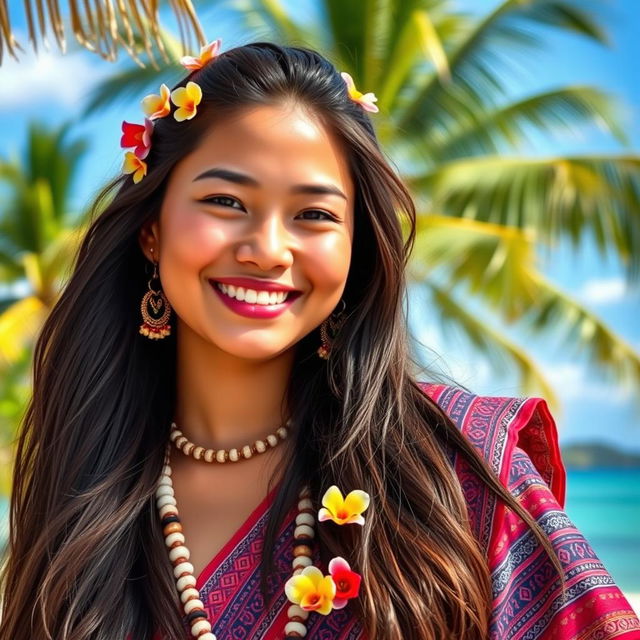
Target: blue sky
[{"x": 52, "y": 89}]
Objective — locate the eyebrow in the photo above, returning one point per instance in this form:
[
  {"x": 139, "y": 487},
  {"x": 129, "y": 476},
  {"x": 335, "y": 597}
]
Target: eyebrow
[{"x": 241, "y": 178}]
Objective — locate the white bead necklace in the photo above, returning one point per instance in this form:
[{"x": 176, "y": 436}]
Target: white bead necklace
[
  {"x": 223, "y": 455},
  {"x": 183, "y": 570}
]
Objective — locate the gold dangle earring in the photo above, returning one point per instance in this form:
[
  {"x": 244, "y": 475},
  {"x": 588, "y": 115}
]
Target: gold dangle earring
[
  {"x": 329, "y": 329},
  {"x": 155, "y": 309}
]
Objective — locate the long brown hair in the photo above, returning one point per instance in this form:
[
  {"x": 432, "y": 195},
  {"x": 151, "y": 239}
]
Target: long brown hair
[{"x": 87, "y": 559}]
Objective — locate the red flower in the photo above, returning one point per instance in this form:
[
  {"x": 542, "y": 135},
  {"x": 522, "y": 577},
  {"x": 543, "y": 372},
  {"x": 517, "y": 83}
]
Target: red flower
[
  {"x": 347, "y": 582},
  {"x": 138, "y": 136}
]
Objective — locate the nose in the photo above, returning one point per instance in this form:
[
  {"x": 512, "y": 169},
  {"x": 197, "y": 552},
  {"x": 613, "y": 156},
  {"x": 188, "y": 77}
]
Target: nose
[{"x": 268, "y": 246}]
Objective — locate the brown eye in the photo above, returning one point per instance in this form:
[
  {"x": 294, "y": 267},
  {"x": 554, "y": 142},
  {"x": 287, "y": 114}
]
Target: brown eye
[
  {"x": 316, "y": 212},
  {"x": 225, "y": 201}
]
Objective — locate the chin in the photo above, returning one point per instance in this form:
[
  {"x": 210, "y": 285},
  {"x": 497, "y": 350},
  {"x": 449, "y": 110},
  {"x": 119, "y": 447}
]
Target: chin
[{"x": 256, "y": 352}]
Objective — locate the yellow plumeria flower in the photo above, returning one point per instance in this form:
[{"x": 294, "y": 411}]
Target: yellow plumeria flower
[
  {"x": 365, "y": 100},
  {"x": 208, "y": 52},
  {"x": 311, "y": 590},
  {"x": 133, "y": 164},
  {"x": 343, "y": 510},
  {"x": 157, "y": 106},
  {"x": 187, "y": 99}
]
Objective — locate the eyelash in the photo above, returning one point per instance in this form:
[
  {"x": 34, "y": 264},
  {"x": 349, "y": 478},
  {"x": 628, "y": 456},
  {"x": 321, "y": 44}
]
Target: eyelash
[{"x": 214, "y": 199}]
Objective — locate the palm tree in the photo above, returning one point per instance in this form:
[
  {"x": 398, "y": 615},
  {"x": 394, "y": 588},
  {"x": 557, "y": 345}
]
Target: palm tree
[
  {"x": 102, "y": 27},
  {"x": 455, "y": 133},
  {"x": 38, "y": 240}
]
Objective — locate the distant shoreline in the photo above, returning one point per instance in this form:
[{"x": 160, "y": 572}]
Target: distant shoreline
[{"x": 598, "y": 455}]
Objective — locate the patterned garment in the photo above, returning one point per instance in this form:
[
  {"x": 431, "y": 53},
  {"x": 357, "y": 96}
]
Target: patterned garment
[{"x": 517, "y": 437}]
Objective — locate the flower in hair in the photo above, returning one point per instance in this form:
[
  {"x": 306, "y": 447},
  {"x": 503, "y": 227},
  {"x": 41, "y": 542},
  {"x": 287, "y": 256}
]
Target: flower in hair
[
  {"x": 157, "y": 106},
  {"x": 341, "y": 510},
  {"x": 186, "y": 99},
  {"x": 138, "y": 136},
  {"x": 347, "y": 582},
  {"x": 207, "y": 53},
  {"x": 311, "y": 590},
  {"x": 136, "y": 166},
  {"x": 365, "y": 100}
]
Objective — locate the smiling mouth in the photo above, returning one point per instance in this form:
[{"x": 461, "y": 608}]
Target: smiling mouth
[{"x": 255, "y": 296}]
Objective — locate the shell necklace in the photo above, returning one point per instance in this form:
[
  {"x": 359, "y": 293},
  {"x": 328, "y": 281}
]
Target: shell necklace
[{"x": 179, "y": 554}]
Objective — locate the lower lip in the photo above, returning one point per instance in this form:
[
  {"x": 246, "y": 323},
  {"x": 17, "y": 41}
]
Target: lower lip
[{"x": 249, "y": 310}]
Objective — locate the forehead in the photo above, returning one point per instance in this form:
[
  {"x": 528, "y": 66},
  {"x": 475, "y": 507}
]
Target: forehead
[{"x": 278, "y": 145}]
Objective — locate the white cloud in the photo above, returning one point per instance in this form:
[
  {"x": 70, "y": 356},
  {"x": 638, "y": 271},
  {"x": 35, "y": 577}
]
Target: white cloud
[
  {"x": 48, "y": 78},
  {"x": 603, "y": 290},
  {"x": 571, "y": 382}
]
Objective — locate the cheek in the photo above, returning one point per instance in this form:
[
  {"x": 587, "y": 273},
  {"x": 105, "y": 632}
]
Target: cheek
[
  {"x": 193, "y": 241},
  {"x": 328, "y": 261}
]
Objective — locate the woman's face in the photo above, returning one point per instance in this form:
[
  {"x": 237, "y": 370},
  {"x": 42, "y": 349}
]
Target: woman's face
[{"x": 262, "y": 209}]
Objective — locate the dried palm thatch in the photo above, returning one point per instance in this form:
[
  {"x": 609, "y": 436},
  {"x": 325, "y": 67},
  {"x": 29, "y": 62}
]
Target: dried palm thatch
[{"x": 102, "y": 26}]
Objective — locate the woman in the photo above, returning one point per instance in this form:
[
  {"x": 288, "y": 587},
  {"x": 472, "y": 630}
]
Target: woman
[{"x": 197, "y": 462}]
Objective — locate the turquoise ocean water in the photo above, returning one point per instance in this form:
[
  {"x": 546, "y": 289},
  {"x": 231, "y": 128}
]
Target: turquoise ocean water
[{"x": 603, "y": 503}]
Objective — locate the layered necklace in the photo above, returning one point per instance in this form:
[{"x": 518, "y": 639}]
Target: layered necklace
[{"x": 179, "y": 554}]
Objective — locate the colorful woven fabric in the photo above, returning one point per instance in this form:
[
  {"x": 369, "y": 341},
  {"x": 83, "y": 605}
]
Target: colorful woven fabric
[{"x": 517, "y": 437}]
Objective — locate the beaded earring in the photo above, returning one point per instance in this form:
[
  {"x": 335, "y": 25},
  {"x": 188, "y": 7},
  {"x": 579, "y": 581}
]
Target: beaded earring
[
  {"x": 155, "y": 309},
  {"x": 329, "y": 329}
]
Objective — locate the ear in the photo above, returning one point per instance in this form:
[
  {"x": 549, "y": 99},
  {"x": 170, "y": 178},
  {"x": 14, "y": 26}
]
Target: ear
[{"x": 149, "y": 238}]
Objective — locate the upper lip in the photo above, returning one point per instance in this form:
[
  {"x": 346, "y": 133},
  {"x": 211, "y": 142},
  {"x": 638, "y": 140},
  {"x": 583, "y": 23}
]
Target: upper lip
[{"x": 258, "y": 285}]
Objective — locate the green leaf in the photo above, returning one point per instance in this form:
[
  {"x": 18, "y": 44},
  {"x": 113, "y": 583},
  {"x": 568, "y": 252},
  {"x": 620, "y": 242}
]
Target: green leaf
[
  {"x": 554, "y": 197},
  {"x": 503, "y": 353}
]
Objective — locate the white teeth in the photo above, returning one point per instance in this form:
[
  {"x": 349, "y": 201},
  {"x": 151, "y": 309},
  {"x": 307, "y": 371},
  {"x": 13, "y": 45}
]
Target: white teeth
[{"x": 252, "y": 296}]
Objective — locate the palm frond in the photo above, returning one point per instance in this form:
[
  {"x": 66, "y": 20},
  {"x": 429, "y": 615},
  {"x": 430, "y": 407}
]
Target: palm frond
[
  {"x": 19, "y": 324},
  {"x": 503, "y": 353},
  {"x": 477, "y": 59},
  {"x": 555, "y": 197},
  {"x": 496, "y": 263},
  {"x": 418, "y": 39},
  {"x": 270, "y": 19},
  {"x": 564, "y": 109},
  {"x": 585, "y": 332},
  {"x": 102, "y": 28}
]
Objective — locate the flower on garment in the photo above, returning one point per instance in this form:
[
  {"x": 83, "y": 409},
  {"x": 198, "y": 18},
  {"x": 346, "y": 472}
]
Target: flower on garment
[
  {"x": 311, "y": 590},
  {"x": 343, "y": 510},
  {"x": 157, "y": 106},
  {"x": 207, "y": 53},
  {"x": 365, "y": 100},
  {"x": 347, "y": 582},
  {"x": 133, "y": 164},
  {"x": 138, "y": 136},
  {"x": 187, "y": 99}
]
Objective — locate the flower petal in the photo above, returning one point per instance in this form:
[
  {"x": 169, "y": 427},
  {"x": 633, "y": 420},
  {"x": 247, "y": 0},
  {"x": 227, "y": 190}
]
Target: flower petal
[
  {"x": 333, "y": 500},
  {"x": 356, "y": 501},
  {"x": 157, "y": 106},
  {"x": 210, "y": 51},
  {"x": 297, "y": 587},
  {"x": 190, "y": 62},
  {"x": 324, "y": 514},
  {"x": 348, "y": 80},
  {"x": 131, "y": 134},
  {"x": 338, "y": 564},
  {"x": 327, "y": 587},
  {"x": 179, "y": 96},
  {"x": 207, "y": 53},
  {"x": 184, "y": 114},
  {"x": 194, "y": 91},
  {"x": 314, "y": 574},
  {"x": 355, "y": 519},
  {"x": 339, "y": 603}
]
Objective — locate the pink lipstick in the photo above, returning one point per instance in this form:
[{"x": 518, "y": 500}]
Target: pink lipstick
[{"x": 255, "y": 310}]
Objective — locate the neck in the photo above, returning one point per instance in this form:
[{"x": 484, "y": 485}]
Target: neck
[{"x": 223, "y": 401}]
